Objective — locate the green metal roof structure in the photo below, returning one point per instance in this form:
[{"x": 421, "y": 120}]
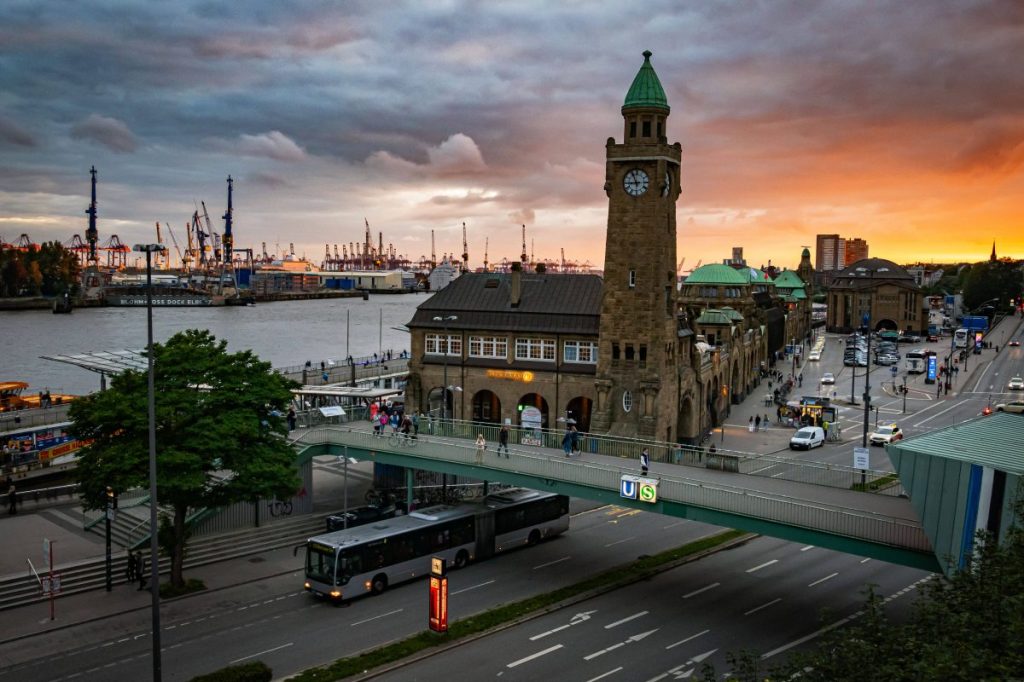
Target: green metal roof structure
[
  {"x": 646, "y": 90},
  {"x": 806, "y": 253},
  {"x": 758, "y": 276},
  {"x": 714, "y": 316},
  {"x": 963, "y": 479},
  {"x": 787, "y": 279},
  {"x": 734, "y": 315},
  {"x": 716, "y": 273}
]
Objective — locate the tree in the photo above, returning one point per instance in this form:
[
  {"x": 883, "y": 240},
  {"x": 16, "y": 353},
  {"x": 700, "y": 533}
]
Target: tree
[
  {"x": 220, "y": 433},
  {"x": 997, "y": 282}
]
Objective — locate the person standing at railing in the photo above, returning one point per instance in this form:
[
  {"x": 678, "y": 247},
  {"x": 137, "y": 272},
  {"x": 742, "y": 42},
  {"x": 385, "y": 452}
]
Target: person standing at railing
[
  {"x": 503, "y": 439},
  {"x": 292, "y": 421},
  {"x": 481, "y": 445},
  {"x": 645, "y": 461},
  {"x": 567, "y": 442},
  {"x": 12, "y": 497}
]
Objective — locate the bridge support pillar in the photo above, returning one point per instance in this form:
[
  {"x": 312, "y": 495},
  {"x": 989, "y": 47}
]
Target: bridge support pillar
[{"x": 408, "y": 489}]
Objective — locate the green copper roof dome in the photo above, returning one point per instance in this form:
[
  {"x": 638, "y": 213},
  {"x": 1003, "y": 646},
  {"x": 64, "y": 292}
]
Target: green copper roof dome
[
  {"x": 806, "y": 253},
  {"x": 646, "y": 90},
  {"x": 715, "y": 273}
]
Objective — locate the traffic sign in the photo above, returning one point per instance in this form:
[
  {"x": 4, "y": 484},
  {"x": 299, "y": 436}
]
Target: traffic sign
[
  {"x": 638, "y": 488},
  {"x": 861, "y": 458}
]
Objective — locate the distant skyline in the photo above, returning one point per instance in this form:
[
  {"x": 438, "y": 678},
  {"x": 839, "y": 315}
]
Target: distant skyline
[{"x": 901, "y": 123}]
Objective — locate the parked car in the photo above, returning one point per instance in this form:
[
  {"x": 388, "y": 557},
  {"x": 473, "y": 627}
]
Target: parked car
[
  {"x": 1016, "y": 384},
  {"x": 886, "y": 359},
  {"x": 808, "y": 437},
  {"x": 1014, "y": 406},
  {"x": 885, "y": 435},
  {"x": 828, "y": 378}
]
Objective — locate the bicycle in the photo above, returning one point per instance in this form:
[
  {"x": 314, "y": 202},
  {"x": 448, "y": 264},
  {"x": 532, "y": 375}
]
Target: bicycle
[{"x": 401, "y": 440}]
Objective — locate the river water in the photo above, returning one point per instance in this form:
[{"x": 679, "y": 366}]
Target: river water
[{"x": 283, "y": 333}]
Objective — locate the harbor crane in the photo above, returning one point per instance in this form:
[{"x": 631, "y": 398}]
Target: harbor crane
[
  {"x": 433, "y": 252},
  {"x": 465, "y": 250},
  {"x": 522, "y": 256},
  {"x": 487, "y": 243},
  {"x": 91, "y": 234}
]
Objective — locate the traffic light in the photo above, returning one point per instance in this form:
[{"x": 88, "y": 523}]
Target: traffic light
[{"x": 111, "y": 498}]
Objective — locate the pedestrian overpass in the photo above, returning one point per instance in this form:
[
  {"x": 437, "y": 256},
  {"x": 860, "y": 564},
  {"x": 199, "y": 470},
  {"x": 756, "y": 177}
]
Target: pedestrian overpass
[{"x": 806, "y": 502}]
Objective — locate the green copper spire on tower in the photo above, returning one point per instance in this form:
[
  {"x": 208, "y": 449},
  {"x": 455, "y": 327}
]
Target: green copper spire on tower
[{"x": 646, "y": 90}]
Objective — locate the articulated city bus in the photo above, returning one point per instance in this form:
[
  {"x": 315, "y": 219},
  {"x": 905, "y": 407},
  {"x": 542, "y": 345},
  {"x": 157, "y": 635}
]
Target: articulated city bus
[{"x": 367, "y": 559}]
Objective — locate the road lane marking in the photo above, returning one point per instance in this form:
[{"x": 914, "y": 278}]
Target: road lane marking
[
  {"x": 673, "y": 525},
  {"x": 276, "y": 648},
  {"x": 864, "y": 561},
  {"x": 529, "y": 658},
  {"x": 827, "y": 577},
  {"x": 758, "y": 568},
  {"x": 552, "y": 563},
  {"x": 473, "y": 587},
  {"x": 582, "y": 617},
  {"x": 959, "y": 403},
  {"x": 626, "y": 620},
  {"x": 389, "y": 613},
  {"x": 703, "y": 589},
  {"x": 804, "y": 549},
  {"x": 684, "y": 641},
  {"x": 763, "y": 606},
  {"x": 602, "y": 675},
  {"x": 619, "y": 542},
  {"x": 613, "y": 647}
]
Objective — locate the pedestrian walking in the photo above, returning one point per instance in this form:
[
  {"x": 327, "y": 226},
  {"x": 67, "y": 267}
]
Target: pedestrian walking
[
  {"x": 292, "y": 421},
  {"x": 645, "y": 461},
  {"x": 481, "y": 445},
  {"x": 12, "y": 497},
  {"x": 567, "y": 442},
  {"x": 757, "y": 423},
  {"x": 140, "y": 569},
  {"x": 415, "y": 425},
  {"x": 129, "y": 568},
  {"x": 764, "y": 422},
  {"x": 574, "y": 441},
  {"x": 382, "y": 420},
  {"x": 503, "y": 439},
  {"x": 750, "y": 424}
]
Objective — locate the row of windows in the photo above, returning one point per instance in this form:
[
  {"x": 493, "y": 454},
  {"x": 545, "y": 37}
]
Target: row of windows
[
  {"x": 584, "y": 352},
  {"x": 715, "y": 292}
]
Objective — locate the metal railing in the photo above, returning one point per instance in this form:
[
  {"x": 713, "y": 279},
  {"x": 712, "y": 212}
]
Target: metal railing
[
  {"x": 749, "y": 463},
  {"x": 25, "y": 419},
  {"x": 746, "y": 501}
]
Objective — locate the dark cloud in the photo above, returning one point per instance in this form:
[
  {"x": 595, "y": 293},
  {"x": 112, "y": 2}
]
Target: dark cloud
[
  {"x": 13, "y": 134},
  {"x": 109, "y": 132}
]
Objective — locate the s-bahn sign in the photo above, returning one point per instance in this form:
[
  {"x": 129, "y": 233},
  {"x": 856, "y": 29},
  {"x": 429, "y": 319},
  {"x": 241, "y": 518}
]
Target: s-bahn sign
[{"x": 639, "y": 488}]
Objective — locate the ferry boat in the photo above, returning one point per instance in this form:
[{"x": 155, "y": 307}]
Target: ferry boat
[{"x": 14, "y": 395}]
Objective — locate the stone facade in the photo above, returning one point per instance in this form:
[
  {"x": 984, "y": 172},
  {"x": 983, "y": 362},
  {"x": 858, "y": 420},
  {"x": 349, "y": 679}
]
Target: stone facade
[{"x": 882, "y": 291}]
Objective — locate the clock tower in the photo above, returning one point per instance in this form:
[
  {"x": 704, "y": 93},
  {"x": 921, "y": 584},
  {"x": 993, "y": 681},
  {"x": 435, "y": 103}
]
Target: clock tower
[{"x": 637, "y": 368}]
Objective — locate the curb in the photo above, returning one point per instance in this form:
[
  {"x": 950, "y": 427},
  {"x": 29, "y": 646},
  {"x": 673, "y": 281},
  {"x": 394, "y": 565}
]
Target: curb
[{"x": 590, "y": 594}]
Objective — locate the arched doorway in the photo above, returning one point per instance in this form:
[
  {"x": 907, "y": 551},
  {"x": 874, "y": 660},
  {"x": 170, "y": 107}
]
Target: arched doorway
[
  {"x": 579, "y": 409},
  {"x": 535, "y": 408},
  {"x": 685, "y": 428},
  {"x": 486, "y": 407},
  {"x": 435, "y": 405},
  {"x": 887, "y": 325},
  {"x": 736, "y": 388}
]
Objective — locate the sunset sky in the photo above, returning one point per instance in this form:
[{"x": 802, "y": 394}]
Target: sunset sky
[{"x": 901, "y": 123}]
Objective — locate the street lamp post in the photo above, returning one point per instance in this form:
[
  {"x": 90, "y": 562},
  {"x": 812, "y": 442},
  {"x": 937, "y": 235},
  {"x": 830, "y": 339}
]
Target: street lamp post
[
  {"x": 154, "y": 564},
  {"x": 444, "y": 391}
]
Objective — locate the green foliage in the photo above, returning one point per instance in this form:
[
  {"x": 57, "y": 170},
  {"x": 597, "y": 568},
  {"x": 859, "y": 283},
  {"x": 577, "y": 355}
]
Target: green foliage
[
  {"x": 47, "y": 270},
  {"x": 220, "y": 432},
  {"x": 256, "y": 671},
  {"x": 986, "y": 281}
]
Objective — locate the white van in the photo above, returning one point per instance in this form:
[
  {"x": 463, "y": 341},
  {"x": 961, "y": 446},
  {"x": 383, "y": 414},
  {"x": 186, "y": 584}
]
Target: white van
[{"x": 807, "y": 437}]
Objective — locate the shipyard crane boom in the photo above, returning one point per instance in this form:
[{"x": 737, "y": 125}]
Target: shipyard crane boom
[
  {"x": 487, "y": 243},
  {"x": 563, "y": 259},
  {"x": 433, "y": 252},
  {"x": 184, "y": 262},
  {"x": 522, "y": 256},
  {"x": 679, "y": 268},
  {"x": 214, "y": 237},
  {"x": 91, "y": 233}
]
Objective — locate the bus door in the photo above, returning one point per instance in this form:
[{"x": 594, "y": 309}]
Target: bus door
[{"x": 484, "y": 534}]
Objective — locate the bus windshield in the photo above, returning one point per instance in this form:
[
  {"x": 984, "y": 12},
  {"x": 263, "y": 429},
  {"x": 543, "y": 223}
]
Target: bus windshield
[{"x": 320, "y": 562}]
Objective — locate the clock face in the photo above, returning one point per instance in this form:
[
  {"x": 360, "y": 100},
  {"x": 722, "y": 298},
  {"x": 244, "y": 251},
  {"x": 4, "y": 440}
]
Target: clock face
[{"x": 636, "y": 182}]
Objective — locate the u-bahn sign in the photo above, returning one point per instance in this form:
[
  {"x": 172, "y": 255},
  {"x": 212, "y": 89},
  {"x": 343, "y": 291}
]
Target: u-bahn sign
[{"x": 639, "y": 488}]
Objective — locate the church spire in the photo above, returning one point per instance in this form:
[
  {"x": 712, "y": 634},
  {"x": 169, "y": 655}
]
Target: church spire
[{"x": 993, "y": 256}]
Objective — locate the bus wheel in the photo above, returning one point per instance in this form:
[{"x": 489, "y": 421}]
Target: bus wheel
[
  {"x": 534, "y": 537},
  {"x": 379, "y": 584},
  {"x": 461, "y": 559}
]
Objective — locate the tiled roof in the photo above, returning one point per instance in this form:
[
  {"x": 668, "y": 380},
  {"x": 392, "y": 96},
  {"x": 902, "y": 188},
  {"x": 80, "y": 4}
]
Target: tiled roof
[
  {"x": 715, "y": 273},
  {"x": 732, "y": 313},
  {"x": 646, "y": 90},
  {"x": 549, "y": 303},
  {"x": 992, "y": 441},
  {"x": 871, "y": 271}
]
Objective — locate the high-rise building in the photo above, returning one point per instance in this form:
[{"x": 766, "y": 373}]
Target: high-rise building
[
  {"x": 856, "y": 249},
  {"x": 830, "y": 253}
]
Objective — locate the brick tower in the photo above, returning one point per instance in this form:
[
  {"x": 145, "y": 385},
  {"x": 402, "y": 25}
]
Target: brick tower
[{"x": 637, "y": 368}]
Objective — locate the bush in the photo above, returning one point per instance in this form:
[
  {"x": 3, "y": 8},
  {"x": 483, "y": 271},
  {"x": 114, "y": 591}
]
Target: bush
[{"x": 257, "y": 671}]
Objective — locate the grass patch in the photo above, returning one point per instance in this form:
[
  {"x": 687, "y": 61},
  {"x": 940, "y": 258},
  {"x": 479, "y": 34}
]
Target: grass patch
[
  {"x": 635, "y": 570},
  {"x": 168, "y": 591},
  {"x": 878, "y": 484}
]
